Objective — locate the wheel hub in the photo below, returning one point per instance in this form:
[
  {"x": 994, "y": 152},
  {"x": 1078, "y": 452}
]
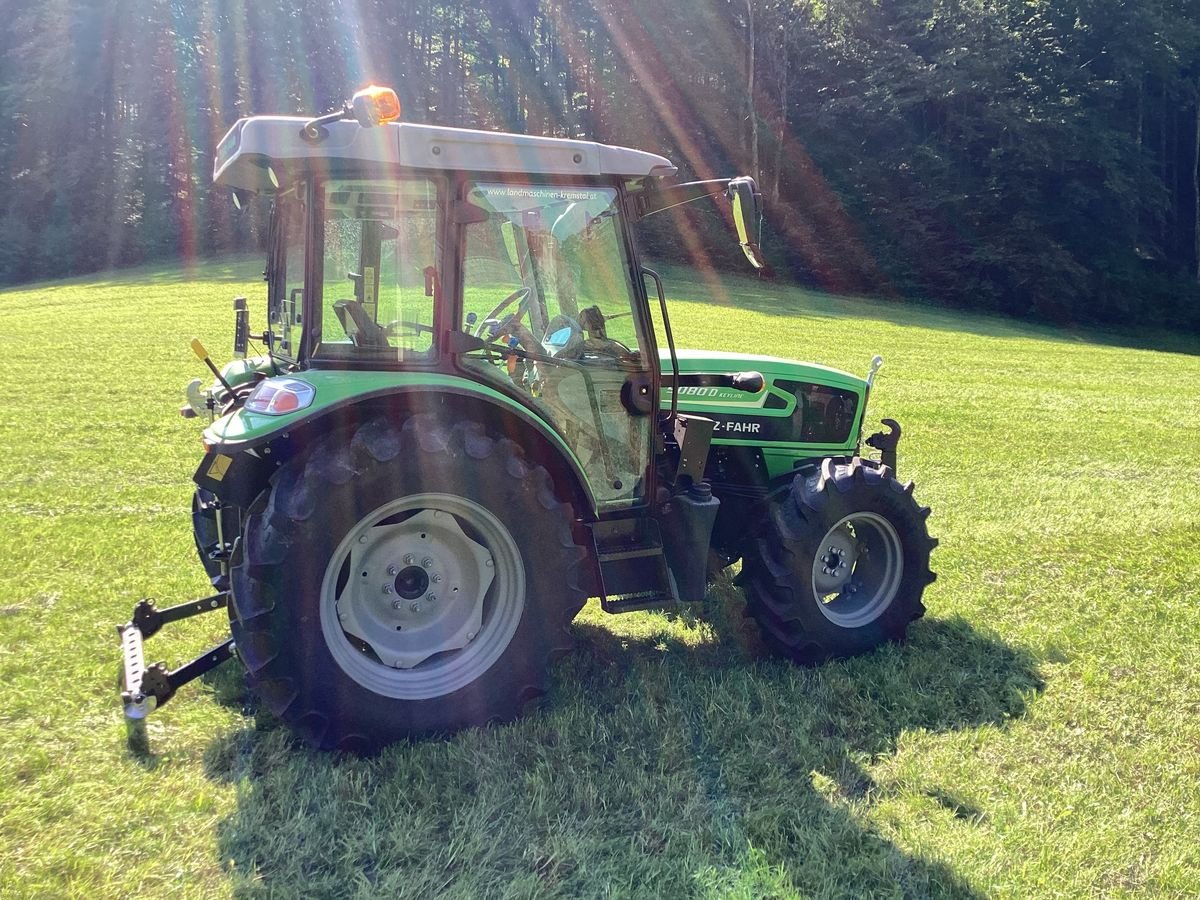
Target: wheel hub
[
  {"x": 835, "y": 563},
  {"x": 393, "y": 600},
  {"x": 857, "y": 569},
  {"x": 411, "y": 582}
]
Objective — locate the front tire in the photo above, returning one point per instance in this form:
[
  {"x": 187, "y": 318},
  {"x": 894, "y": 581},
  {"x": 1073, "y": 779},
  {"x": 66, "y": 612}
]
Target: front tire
[
  {"x": 403, "y": 581},
  {"x": 840, "y": 564}
]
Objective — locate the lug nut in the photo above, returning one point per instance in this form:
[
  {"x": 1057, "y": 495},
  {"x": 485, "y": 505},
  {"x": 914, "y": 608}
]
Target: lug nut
[
  {"x": 397, "y": 604},
  {"x": 427, "y": 563},
  {"x": 393, "y": 571},
  {"x": 408, "y": 559},
  {"x": 431, "y": 598},
  {"x": 387, "y": 588},
  {"x": 435, "y": 578},
  {"x": 414, "y": 606}
]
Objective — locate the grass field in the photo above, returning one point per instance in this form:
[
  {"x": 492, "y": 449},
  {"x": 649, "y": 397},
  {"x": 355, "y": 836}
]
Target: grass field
[{"x": 1038, "y": 736}]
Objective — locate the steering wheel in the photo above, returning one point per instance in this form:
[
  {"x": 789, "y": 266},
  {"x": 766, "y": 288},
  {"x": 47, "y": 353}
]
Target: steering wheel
[{"x": 521, "y": 295}]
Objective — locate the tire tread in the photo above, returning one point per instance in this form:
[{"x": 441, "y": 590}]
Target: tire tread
[
  {"x": 777, "y": 578},
  {"x": 336, "y": 460}
]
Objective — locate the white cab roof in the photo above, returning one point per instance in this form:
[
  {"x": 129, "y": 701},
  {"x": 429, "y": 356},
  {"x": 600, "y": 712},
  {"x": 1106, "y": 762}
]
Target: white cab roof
[{"x": 256, "y": 148}]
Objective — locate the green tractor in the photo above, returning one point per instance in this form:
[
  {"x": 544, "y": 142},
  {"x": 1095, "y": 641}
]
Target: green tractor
[{"x": 467, "y": 422}]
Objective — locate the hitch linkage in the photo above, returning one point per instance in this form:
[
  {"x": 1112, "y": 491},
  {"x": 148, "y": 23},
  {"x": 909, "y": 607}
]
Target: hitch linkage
[{"x": 145, "y": 688}]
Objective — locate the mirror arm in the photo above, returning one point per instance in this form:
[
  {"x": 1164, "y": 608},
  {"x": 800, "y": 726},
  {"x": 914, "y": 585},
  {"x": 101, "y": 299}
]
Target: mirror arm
[
  {"x": 314, "y": 130},
  {"x": 657, "y": 199}
]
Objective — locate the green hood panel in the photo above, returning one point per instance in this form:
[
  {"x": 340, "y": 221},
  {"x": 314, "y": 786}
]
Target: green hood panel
[
  {"x": 335, "y": 387},
  {"x": 241, "y": 371},
  {"x": 718, "y": 361},
  {"x": 804, "y": 410}
]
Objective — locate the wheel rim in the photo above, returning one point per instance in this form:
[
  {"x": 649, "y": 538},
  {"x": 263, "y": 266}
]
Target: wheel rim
[
  {"x": 422, "y": 596},
  {"x": 857, "y": 569}
]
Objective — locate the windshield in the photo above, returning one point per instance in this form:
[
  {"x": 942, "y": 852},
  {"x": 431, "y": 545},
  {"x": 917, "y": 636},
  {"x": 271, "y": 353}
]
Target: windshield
[
  {"x": 380, "y": 272},
  {"x": 560, "y": 250}
]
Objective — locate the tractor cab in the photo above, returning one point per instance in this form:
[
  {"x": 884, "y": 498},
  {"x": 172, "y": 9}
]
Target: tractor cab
[{"x": 499, "y": 258}]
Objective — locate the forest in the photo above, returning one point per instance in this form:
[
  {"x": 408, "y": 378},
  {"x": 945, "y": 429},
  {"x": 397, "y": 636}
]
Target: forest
[{"x": 1038, "y": 158}]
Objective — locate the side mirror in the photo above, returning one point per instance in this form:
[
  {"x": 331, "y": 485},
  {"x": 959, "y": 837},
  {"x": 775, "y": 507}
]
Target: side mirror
[{"x": 746, "y": 203}]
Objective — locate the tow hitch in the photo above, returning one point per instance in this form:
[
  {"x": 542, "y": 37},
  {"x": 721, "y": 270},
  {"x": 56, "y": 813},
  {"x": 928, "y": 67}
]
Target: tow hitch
[
  {"x": 146, "y": 688},
  {"x": 886, "y": 442}
]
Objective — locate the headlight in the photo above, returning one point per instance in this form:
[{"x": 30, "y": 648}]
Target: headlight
[{"x": 280, "y": 396}]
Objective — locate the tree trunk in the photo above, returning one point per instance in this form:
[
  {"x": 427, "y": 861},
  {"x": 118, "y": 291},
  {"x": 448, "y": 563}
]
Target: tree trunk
[
  {"x": 1164, "y": 112},
  {"x": 781, "y": 134},
  {"x": 750, "y": 65},
  {"x": 1141, "y": 117},
  {"x": 1196, "y": 189}
]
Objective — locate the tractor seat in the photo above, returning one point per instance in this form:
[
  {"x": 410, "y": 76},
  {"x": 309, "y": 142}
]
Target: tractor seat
[{"x": 362, "y": 330}]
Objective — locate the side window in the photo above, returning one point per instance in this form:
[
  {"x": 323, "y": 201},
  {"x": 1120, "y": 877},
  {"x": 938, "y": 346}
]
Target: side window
[
  {"x": 287, "y": 315},
  {"x": 561, "y": 252},
  {"x": 285, "y": 273},
  {"x": 380, "y": 269}
]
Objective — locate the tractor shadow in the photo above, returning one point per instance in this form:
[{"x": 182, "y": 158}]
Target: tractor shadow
[{"x": 674, "y": 758}]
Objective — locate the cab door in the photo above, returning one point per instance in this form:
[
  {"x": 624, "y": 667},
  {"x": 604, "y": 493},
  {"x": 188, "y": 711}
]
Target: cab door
[{"x": 547, "y": 284}]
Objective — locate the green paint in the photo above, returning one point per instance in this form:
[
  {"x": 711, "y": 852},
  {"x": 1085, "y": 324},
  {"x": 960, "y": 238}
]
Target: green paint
[
  {"x": 718, "y": 362},
  {"x": 779, "y": 456},
  {"x": 336, "y": 387}
]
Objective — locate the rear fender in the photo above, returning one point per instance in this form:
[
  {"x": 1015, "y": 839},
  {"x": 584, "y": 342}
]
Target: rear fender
[{"x": 237, "y": 471}]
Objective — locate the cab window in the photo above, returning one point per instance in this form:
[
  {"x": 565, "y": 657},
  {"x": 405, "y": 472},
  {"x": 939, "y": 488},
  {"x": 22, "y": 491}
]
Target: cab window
[
  {"x": 285, "y": 273},
  {"x": 380, "y": 269}
]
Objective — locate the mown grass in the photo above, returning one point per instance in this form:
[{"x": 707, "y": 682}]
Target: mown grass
[{"x": 1038, "y": 736}]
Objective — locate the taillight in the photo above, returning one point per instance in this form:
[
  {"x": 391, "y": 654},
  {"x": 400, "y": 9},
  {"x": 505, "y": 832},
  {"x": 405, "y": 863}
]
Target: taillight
[{"x": 280, "y": 396}]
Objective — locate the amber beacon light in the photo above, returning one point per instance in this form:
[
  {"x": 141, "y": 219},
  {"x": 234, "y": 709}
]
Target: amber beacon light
[{"x": 375, "y": 105}]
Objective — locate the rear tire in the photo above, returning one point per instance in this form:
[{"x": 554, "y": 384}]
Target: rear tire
[
  {"x": 403, "y": 581},
  {"x": 840, "y": 564}
]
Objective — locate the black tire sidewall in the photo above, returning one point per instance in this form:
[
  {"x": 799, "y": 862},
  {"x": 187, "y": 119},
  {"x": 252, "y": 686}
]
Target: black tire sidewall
[
  {"x": 501, "y": 482},
  {"x": 876, "y": 497},
  {"x": 781, "y": 591}
]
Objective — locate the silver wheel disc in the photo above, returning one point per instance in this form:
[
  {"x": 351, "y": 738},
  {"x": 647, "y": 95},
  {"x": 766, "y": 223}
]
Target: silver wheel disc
[
  {"x": 857, "y": 569},
  {"x": 422, "y": 596}
]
